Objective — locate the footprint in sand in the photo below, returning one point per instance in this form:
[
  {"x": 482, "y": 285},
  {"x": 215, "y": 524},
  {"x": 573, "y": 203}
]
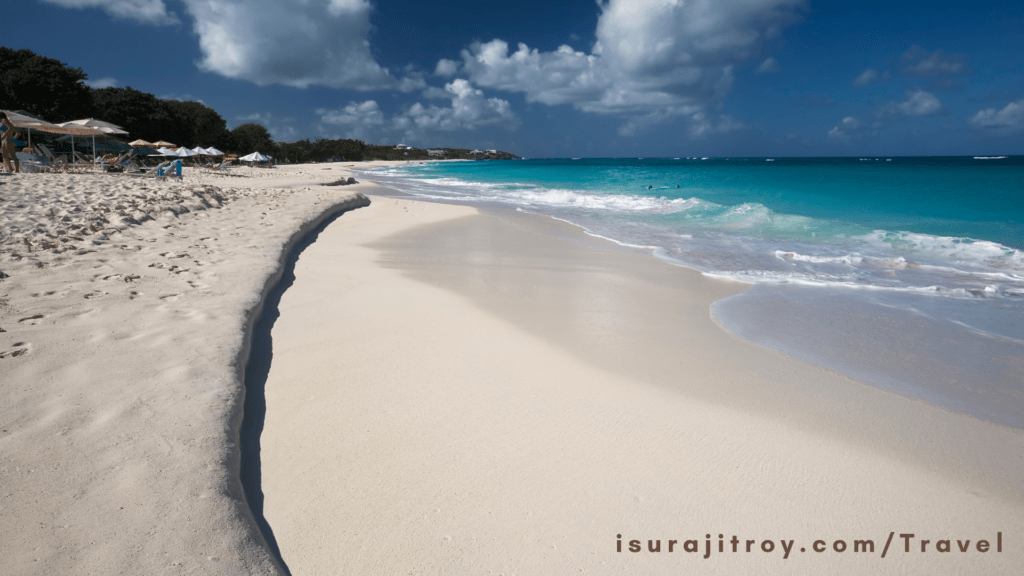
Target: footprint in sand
[
  {"x": 19, "y": 349},
  {"x": 133, "y": 295},
  {"x": 128, "y": 278},
  {"x": 169, "y": 297},
  {"x": 31, "y": 320},
  {"x": 95, "y": 294}
]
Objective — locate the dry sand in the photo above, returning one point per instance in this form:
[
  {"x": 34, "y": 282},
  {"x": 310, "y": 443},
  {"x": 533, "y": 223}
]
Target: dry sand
[
  {"x": 456, "y": 393},
  {"x": 124, "y": 311}
]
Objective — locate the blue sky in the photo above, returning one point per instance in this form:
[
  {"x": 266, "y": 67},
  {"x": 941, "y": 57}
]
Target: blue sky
[{"x": 543, "y": 79}]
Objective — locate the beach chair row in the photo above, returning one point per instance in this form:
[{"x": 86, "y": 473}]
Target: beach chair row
[{"x": 47, "y": 161}]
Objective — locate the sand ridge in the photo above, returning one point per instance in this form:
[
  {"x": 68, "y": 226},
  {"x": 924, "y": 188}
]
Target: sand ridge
[{"x": 125, "y": 305}]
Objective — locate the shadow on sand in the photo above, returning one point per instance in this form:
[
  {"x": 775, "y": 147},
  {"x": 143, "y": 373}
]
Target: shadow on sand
[{"x": 261, "y": 355}]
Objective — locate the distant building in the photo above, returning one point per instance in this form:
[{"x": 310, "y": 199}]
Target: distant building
[
  {"x": 401, "y": 147},
  {"x": 494, "y": 152},
  {"x": 436, "y": 152}
]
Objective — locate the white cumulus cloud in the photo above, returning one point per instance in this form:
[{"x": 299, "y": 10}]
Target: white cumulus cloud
[
  {"x": 918, "y": 103},
  {"x": 1009, "y": 119},
  {"x": 846, "y": 129},
  {"x": 359, "y": 120},
  {"x": 920, "y": 62},
  {"x": 291, "y": 42},
  {"x": 107, "y": 82},
  {"x": 296, "y": 43},
  {"x": 769, "y": 65},
  {"x": 870, "y": 76},
  {"x": 469, "y": 109},
  {"x": 446, "y": 67},
  {"x": 652, "y": 58},
  {"x": 148, "y": 11}
]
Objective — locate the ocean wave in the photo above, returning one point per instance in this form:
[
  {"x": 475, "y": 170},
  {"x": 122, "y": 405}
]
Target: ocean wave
[
  {"x": 958, "y": 249},
  {"x": 750, "y": 242}
]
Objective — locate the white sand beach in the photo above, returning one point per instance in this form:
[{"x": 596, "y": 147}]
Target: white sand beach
[
  {"x": 451, "y": 392},
  {"x": 125, "y": 306},
  {"x": 507, "y": 398}
]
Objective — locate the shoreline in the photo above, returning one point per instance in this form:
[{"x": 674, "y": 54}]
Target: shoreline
[
  {"x": 476, "y": 408},
  {"x": 801, "y": 404},
  {"x": 960, "y": 355}
]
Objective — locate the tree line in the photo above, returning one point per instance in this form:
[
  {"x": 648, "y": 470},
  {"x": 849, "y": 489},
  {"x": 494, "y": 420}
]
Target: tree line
[{"x": 55, "y": 92}]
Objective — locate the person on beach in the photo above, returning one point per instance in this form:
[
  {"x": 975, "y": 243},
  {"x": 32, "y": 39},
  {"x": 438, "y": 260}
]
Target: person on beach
[{"x": 7, "y": 143}]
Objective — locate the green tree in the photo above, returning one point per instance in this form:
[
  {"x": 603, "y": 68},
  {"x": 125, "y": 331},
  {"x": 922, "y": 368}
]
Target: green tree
[
  {"x": 252, "y": 137},
  {"x": 142, "y": 115},
  {"x": 42, "y": 86},
  {"x": 197, "y": 124}
]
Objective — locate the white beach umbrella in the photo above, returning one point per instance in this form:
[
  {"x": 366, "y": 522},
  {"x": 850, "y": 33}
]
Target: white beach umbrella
[
  {"x": 73, "y": 130},
  {"x": 28, "y": 123},
  {"x": 105, "y": 127},
  {"x": 214, "y": 152},
  {"x": 98, "y": 126},
  {"x": 254, "y": 157}
]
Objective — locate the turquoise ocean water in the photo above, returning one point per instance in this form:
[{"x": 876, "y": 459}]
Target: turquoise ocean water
[{"x": 906, "y": 273}]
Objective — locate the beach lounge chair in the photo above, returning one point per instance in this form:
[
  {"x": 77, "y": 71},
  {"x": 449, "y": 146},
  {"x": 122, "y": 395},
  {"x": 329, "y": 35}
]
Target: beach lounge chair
[
  {"x": 154, "y": 172},
  {"x": 56, "y": 163},
  {"x": 31, "y": 163},
  {"x": 173, "y": 169},
  {"x": 123, "y": 157},
  {"x": 121, "y": 163},
  {"x": 49, "y": 156}
]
